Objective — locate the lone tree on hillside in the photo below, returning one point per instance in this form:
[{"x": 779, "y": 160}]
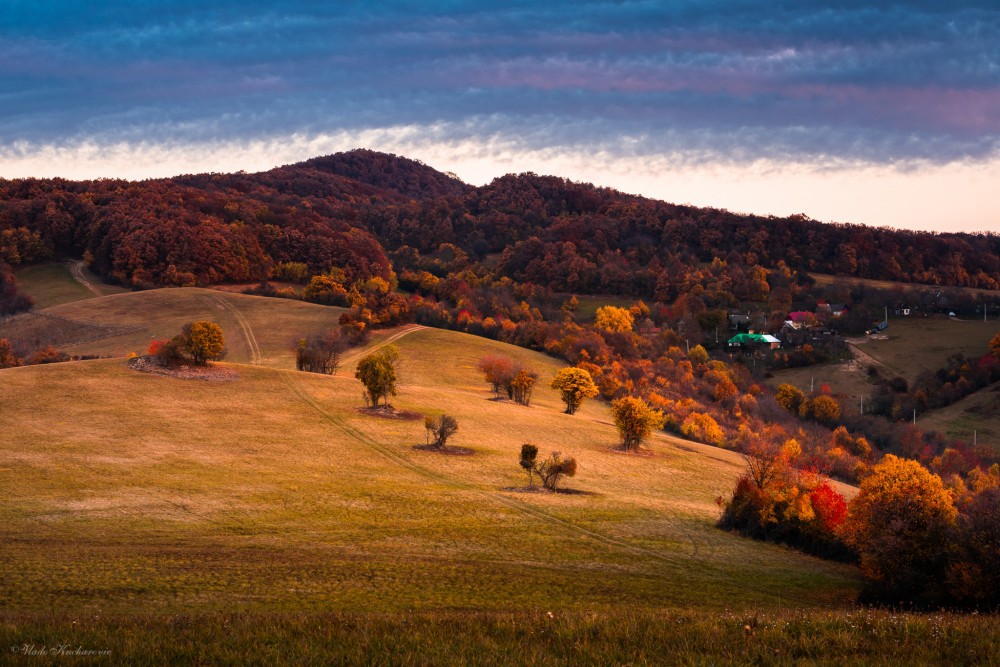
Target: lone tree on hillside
[
  {"x": 320, "y": 352},
  {"x": 202, "y": 341},
  {"x": 440, "y": 428},
  {"x": 554, "y": 468},
  {"x": 576, "y": 385},
  {"x": 378, "y": 371},
  {"x": 635, "y": 420},
  {"x": 529, "y": 455}
]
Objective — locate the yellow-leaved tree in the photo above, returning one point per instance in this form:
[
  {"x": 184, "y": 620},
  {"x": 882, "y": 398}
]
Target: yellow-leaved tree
[
  {"x": 635, "y": 420},
  {"x": 202, "y": 340},
  {"x": 899, "y": 525},
  {"x": 576, "y": 385},
  {"x": 613, "y": 318},
  {"x": 703, "y": 428}
]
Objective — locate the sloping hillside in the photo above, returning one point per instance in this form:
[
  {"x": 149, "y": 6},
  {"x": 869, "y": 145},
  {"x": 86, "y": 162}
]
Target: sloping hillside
[
  {"x": 259, "y": 329},
  {"x": 975, "y": 419},
  {"x": 273, "y": 491}
]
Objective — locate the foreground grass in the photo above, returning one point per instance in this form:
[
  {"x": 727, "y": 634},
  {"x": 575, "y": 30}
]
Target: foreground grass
[{"x": 635, "y": 637}]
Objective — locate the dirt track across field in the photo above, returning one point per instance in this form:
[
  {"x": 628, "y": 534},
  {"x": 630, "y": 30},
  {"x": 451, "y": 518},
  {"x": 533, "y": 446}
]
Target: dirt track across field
[{"x": 76, "y": 268}]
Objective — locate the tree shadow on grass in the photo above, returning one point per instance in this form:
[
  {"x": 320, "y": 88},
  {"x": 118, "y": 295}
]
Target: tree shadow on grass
[
  {"x": 543, "y": 491},
  {"x": 389, "y": 412},
  {"x": 639, "y": 451},
  {"x": 447, "y": 450}
]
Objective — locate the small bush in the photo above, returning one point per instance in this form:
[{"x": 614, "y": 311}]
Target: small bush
[
  {"x": 320, "y": 352},
  {"x": 440, "y": 428},
  {"x": 554, "y": 468}
]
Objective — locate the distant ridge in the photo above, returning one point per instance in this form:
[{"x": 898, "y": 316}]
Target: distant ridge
[{"x": 368, "y": 212}]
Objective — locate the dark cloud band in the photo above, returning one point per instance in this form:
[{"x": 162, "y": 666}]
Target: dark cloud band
[{"x": 723, "y": 80}]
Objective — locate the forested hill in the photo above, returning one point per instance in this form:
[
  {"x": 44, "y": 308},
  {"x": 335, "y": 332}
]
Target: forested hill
[{"x": 352, "y": 210}]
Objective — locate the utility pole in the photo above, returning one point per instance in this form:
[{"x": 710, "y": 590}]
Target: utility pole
[
  {"x": 812, "y": 384},
  {"x": 862, "y": 404},
  {"x": 914, "y": 416}
]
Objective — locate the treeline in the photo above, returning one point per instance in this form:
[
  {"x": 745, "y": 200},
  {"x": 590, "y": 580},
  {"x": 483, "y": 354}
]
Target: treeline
[
  {"x": 12, "y": 299},
  {"x": 898, "y": 399},
  {"x": 349, "y": 209}
]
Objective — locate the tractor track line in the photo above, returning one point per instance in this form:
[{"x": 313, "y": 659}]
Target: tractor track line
[
  {"x": 248, "y": 335},
  {"x": 408, "y": 329}
]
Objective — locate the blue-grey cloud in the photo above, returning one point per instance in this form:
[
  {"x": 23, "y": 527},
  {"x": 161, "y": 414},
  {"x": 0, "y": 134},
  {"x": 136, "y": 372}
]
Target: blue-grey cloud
[{"x": 720, "y": 79}]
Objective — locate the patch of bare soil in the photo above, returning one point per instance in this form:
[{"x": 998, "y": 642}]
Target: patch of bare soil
[
  {"x": 389, "y": 412},
  {"x": 151, "y": 365},
  {"x": 447, "y": 450}
]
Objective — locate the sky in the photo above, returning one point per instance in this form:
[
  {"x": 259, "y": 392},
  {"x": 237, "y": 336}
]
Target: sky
[{"x": 846, "y": 111}]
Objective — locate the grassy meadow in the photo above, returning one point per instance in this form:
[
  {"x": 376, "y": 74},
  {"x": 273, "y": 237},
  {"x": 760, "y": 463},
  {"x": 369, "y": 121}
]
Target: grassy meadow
[
  {"x": 258, "y": 329},
  {"x": 974, "y": 418},
  {"x": 267, "y": 520},
  {"x": 54, "y": 284},
  {"x": 846, "y": 378},
  {"x": 587, "y": 310},
  {"x": 276, "y": 492},
  {"x": 912, "y": 346},
  {"x": 909, "y": 347}
]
